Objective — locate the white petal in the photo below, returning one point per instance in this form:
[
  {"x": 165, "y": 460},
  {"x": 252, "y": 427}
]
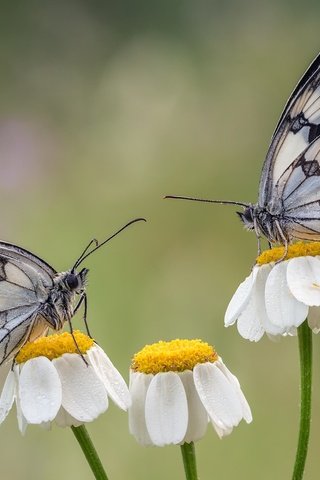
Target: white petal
[
  {"x": 22, "y": 422},
  {"x": 114, "y": 383},
  {"x": 64, "y": 419},
  {"x": 7, "y": 395},
  {"x": 249, "y": 326},
  {"x": 246, "y": 410},
  {"x": 303, "y": 277},
  {"x": 83, "y": 393},
  {"x": 240, "y": 298},
  {"x": 254, "y": 319},
  {"x": 222, "y": 432},
  {"x": 166, "y": 409},
  {"x": 283, "y": 309},
  {"x": 314, "y": 319},
  {"x": 39, "y": 390},
  {"x": 139, "y": 384},
  {"x": 291, "y": 332},
  {"x": 218, "y": 397},
  {"x": 198, "y": 417}
]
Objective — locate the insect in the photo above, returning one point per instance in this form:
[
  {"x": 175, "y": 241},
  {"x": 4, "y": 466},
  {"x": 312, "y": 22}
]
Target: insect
[
  {"x": 34, "y": 297},
  {"x": 288, "y": 207}
]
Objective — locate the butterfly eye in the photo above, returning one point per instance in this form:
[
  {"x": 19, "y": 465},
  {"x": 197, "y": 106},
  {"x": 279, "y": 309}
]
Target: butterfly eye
[{"x": 72, "y": 281}]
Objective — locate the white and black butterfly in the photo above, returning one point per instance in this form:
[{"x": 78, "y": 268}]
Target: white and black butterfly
[
  {"x": 34, "y": 297},
  {"x": 289, "y": 195}
]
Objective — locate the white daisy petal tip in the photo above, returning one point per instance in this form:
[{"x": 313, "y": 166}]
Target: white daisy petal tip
[
  {"x": 113, "y": 381},
  {"x": 240, "y": 299},
  {"x": 314, "y": 319},
  {"x": 52, "y": 382},
  {"x": 174, "y": 405},
  {"x": 221, "y": 396},
  {"x": 7, "y": 395}
]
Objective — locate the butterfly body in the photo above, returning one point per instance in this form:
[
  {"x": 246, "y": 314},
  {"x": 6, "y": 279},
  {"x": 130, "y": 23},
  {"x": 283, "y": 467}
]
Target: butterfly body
[
  {"x": 58, "y": 306},
  {"x": 275, "y": 227},
  {"x": 35, "y": 297}
]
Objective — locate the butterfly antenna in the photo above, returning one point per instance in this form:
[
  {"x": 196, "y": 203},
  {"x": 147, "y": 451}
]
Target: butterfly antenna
[
  {"x": 95, "y": 241},
  {"x": 221, "y": 202},
  {"x": 85, "y": 254}
]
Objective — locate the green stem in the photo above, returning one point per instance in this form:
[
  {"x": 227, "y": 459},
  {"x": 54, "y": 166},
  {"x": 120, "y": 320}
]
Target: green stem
[
  {"x": 189, "y": 461},
  {"x": 305, "y": 349},
  {"x": 90, "y": 452}
]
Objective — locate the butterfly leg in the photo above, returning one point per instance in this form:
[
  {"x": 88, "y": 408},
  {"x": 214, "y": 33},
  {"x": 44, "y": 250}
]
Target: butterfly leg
[
  {"x": 76, "y": 343},
  {"x": 76, "y": 308},
  {"x": 259, "y": 246},
  {"x": 285, "y": 242},
  {"x": 257, "y": 232},
  {"x": 83, "y": 299},
  {"x": 14, "y": 361}
]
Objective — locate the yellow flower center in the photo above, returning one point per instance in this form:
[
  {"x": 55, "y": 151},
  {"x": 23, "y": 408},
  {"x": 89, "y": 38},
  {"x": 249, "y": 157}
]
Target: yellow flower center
[
  {"x": 175, "y": 356},
  {"x": 54, "y": 346},
  {"x": 299, "y": 249}
]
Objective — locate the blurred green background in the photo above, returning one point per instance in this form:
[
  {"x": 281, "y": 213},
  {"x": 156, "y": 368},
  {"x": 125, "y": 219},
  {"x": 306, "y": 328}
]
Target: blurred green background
[{"x": 105, "y": 108}]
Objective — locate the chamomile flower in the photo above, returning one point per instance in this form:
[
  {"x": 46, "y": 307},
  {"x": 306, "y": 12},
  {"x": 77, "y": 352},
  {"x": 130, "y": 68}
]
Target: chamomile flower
[
  {"x": 52, "y": 382},
  {"x": 278, "y": 296},
  {"x": 176, "y": 388}
]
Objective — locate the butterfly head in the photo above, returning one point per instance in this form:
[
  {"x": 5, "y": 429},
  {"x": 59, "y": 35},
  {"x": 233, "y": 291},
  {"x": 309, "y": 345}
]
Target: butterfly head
[
  {"x": 247, "y": 217},
  {"x": 74, "y": 281}
]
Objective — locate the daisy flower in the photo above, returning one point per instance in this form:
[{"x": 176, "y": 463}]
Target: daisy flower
[
  {"x": 176, "y": 388},
  {"x": 52, "y": 382},
  {"x": 278, "y": 295}
]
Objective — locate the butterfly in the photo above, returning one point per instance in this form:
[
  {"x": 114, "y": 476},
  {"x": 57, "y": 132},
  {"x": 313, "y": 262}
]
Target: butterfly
[
  {"x": 34, "y": 297},
  {"x": 288, "y": 207}
]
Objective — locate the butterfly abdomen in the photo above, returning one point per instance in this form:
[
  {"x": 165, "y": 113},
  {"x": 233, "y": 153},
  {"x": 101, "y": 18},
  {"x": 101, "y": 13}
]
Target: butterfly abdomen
[{"x": 57, "y": 309}]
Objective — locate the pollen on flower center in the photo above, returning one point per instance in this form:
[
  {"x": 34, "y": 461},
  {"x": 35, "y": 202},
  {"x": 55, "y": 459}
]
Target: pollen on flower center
[
  {"x": 174, "y": 356},
  {"x": 54, "y": 346},
  {"x": 298, "y": 249}
]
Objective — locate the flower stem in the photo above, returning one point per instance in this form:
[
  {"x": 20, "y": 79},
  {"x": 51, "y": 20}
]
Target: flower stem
[
  {"x": 90, "y": 452},
  {"x": 189, "y": 461},
  {"x": 305, "y": 349}
]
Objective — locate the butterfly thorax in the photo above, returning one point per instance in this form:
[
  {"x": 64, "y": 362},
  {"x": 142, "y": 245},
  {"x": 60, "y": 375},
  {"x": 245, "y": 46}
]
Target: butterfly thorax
[
  {"x": 270, "y": 225},
  {"x": 59, "y": 306}
]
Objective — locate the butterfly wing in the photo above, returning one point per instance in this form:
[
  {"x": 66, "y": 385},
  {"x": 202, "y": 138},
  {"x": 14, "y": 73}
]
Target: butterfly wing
[
  {"x": 31, "y": 262},
  {"x": 298, "y": 127},
  {"x": 18, "y": 325},
  {"x": 24, "y": 279},
  {"x": 299, "y": 190}
]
